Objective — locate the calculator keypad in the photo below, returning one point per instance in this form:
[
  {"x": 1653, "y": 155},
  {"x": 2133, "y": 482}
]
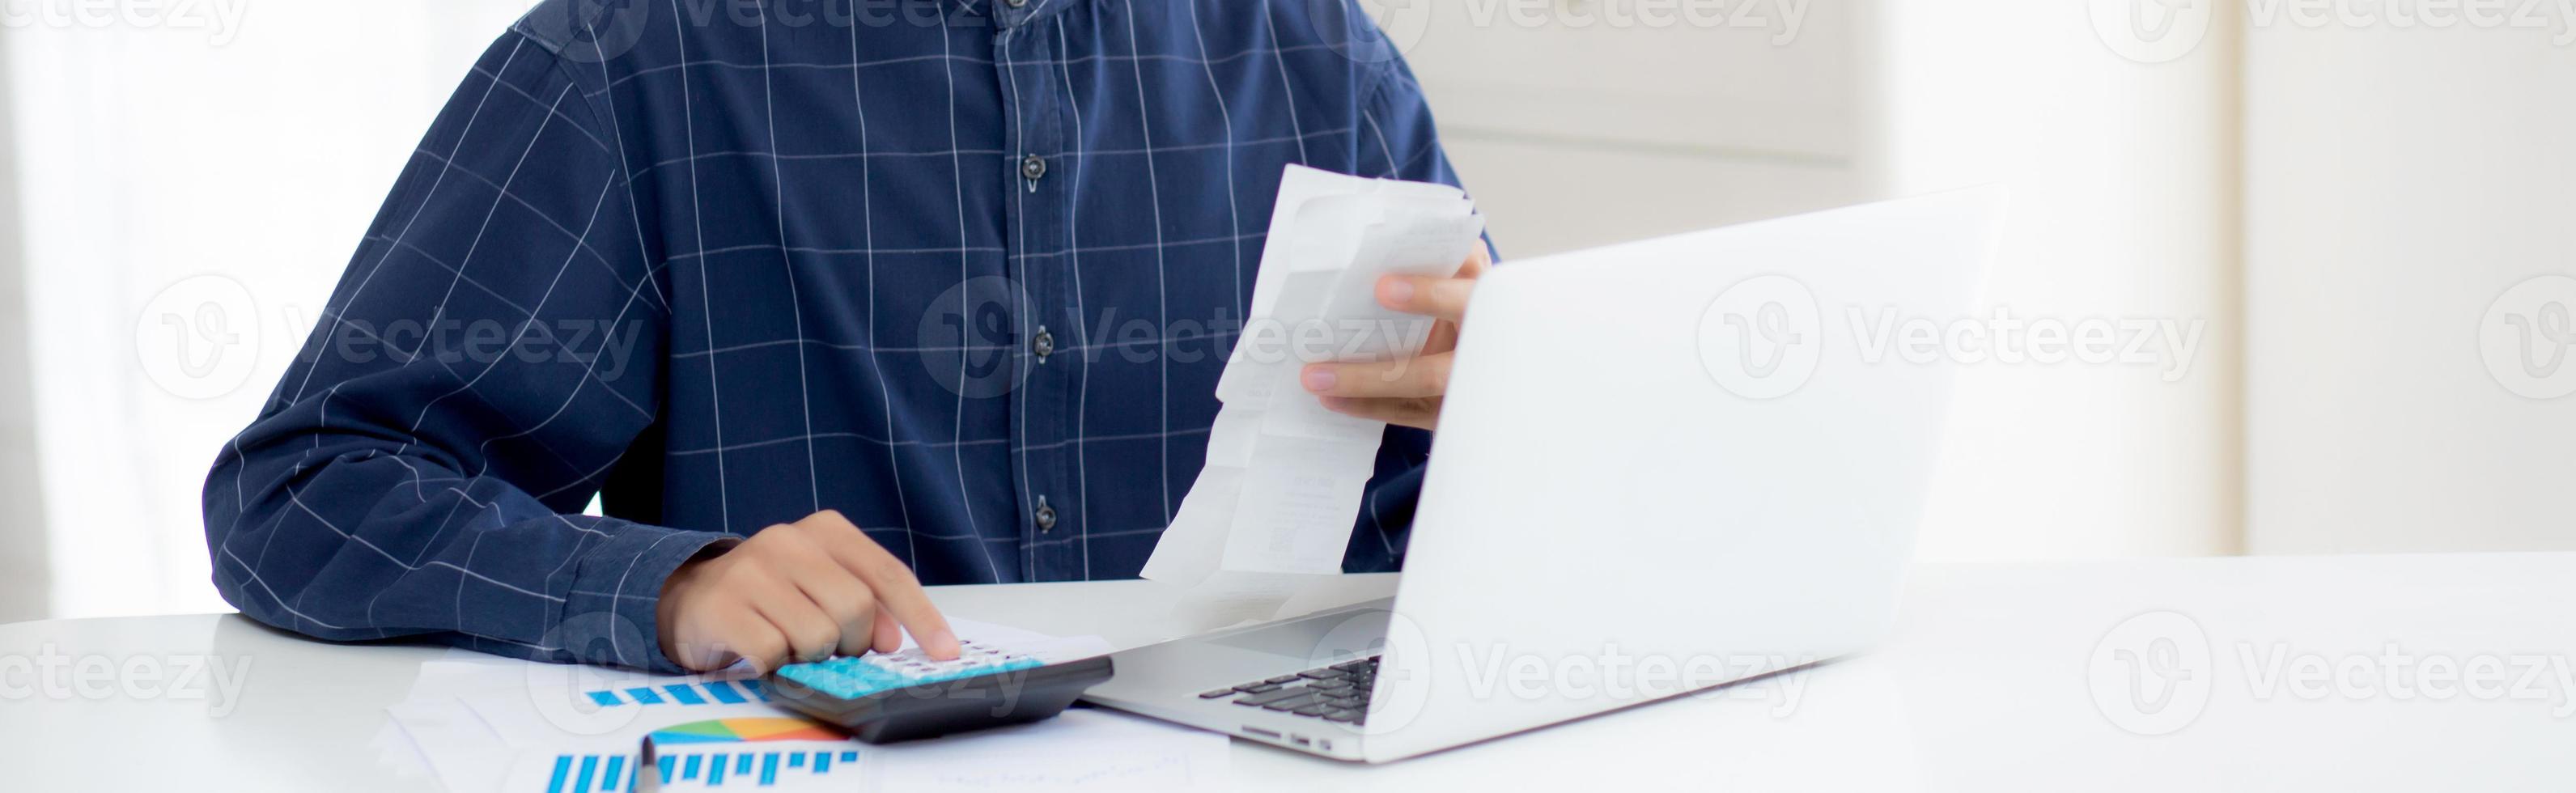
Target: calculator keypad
[{"x": 851, "y": 677}]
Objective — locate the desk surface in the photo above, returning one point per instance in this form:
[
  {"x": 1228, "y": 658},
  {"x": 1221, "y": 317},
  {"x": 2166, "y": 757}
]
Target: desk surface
[{"x": 2380, "y": 672}]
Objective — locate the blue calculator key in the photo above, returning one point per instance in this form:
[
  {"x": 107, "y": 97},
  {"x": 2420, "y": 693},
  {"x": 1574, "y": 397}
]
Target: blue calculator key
[
  {"x": 889, "y": 697},
  {"x": 851, "y": 677}
]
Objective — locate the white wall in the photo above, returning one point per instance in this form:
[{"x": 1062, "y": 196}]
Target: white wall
[
  {"x": 152, "y": 155},
  {"x": 25, "y": 572},
  {"x": 2125, "y": 209},
  {"x": 1585, "y": 122},
  {"x": 2398, "y": 183},
  {"x": 2122, "y": 177}
]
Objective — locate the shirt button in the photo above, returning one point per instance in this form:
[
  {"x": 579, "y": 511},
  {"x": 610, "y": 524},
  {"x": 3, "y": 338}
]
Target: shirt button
[
  {"x": 1045, "y": 515},
  {"x": 1043, "y": 345},
  {"x": 1033, "y": 167}
]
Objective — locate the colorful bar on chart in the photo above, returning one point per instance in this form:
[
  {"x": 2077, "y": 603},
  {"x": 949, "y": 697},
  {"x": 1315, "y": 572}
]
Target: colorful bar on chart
[
  {"x": 712, "y": 770},
  {"x": 686, "y": 694},
  {"x": 724, "y": 692},
  {"x": 713, "y": 692},
  {"x": 574, "y": 774}
]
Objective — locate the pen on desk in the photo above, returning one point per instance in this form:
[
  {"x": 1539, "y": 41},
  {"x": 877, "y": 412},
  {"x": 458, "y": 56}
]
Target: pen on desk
[{"x": 647, "y": 776}]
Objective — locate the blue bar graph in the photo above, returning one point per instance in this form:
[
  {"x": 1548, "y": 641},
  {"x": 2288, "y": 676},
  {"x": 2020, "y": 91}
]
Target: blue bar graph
[
  {"x": 713, "y": 692},
  {"x": 574, "y": 773},
  {"x": 686, "y": 694},
  {"x": 724, "y": 692}
]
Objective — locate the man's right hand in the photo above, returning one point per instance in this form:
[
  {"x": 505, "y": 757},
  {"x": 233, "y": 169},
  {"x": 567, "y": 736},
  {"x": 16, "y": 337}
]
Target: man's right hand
[{"x": 796, "y": 592}]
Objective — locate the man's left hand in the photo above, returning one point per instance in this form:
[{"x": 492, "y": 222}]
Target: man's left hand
[{"x": 1405, "y": 391}]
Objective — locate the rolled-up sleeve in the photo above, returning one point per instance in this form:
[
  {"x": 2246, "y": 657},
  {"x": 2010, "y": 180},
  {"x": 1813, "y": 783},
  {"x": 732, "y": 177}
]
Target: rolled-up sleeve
[{"x": 491, "y": 351}]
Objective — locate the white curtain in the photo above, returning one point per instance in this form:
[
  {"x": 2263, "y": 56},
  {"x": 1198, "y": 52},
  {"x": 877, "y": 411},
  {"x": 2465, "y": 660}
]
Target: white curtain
[
  {"x": 25, "y": 574},
  {"x": 190, "y": 189}
]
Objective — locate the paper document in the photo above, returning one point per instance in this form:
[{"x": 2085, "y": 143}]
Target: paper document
[
  {"x": 481, "y": 722},
  {"x": 1082, "y": 750},
  {"x": 1284, "y": 476}
]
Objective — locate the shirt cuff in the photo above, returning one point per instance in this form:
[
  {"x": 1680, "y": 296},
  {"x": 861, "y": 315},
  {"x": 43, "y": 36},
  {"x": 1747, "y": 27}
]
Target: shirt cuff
[{"x": 610, "y": 618}]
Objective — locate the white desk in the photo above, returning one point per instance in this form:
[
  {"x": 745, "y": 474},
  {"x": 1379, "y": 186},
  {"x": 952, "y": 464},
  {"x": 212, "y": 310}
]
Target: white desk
[{"x": 1990, "y": 685}]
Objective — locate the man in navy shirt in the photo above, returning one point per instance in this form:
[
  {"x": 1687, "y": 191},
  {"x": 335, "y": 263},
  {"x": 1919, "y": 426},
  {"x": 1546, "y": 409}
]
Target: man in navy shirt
[{"x": 824, "y": 301}]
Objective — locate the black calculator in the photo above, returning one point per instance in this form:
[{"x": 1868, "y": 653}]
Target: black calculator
[{"x": 903, "y": 696}]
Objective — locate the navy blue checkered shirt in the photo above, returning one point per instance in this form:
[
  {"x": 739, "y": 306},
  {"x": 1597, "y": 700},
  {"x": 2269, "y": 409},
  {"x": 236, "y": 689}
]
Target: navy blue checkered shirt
[{"x": 966, "y": 272}]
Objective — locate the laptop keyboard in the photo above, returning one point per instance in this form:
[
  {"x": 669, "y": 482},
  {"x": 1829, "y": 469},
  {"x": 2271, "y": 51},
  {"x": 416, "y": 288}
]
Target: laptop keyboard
[{"x": 1333, "y": 693}]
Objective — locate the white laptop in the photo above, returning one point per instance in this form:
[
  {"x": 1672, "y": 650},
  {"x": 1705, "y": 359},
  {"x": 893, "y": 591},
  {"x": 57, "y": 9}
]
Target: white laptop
[{"x": 1684, "y": 462}]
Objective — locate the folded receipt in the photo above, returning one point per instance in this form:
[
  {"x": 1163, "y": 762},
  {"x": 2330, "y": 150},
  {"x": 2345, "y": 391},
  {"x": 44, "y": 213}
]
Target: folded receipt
[{"x": 1281, "y": 489}]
